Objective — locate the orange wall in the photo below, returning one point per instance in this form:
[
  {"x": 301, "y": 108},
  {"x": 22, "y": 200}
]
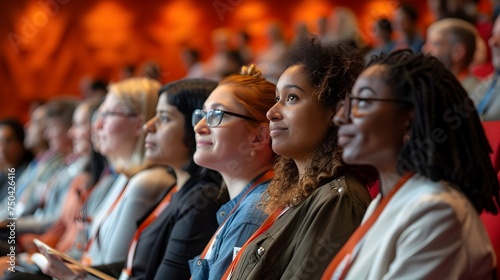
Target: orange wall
[{"x": 47, "y": 46}]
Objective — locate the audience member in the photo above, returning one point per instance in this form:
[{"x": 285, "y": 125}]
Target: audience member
[
  {"x": 489, "y": 101},
  {"x": 316, "y": 200},
  {"x": 181, "y": 224},
  {"x": 343, "y": 26},
  {"x": 232, "y": 136},
  {"x": 271, "y": 60},
  {"x": 382, "y": 33},
  {"x": 453, "y": 42},
  {"x": 435, "y": 176},
  {"x": 405, "y": 23},
  {"x": 14, "y": 157},
  {"x": 192, "y": 62}
]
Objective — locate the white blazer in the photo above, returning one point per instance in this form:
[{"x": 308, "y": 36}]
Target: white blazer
[{"x": 428, "y": 230}]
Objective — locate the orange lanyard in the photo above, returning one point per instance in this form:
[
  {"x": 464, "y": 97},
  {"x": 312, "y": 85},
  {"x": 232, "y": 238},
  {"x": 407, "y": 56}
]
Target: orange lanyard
[
  {"x": 85, "y": 258},
  {"x": 358, "y": 235},
  {"x": 263, "y": 228},
  {"x": 263, "y": 178},
  {"x": 150, "y": 219}
]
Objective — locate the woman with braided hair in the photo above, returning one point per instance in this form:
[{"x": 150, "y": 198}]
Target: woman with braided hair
[
  {"x": 232, "y": 136},
  {"x": 315, "y": 200},
  {"x": 434, "y": 169}
]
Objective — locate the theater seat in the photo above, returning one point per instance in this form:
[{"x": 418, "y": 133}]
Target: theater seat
[{"x": 492, "y": 223}]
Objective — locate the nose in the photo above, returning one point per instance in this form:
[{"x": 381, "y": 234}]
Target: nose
[
  {"x": 340, "y": 117},
  {"x": 201, "y": 127},
  {"x": 274, "y": 114},
  {"x": 149, "y": 126},
  {"x": 98, "y": 123}
]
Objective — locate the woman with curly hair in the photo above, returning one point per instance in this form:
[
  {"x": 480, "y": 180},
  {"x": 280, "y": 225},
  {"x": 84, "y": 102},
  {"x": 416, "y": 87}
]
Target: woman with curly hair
[
  {"x": 435, "y": 173},
  {"x": 315, "y": 200}
]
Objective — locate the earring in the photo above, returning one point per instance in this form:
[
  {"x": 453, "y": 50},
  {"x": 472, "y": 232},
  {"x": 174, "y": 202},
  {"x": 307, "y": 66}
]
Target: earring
[{"x": 252, "y": 153}]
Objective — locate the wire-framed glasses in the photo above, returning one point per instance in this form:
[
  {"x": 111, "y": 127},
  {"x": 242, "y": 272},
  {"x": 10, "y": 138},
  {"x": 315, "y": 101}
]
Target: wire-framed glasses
[{"x": 214, "y": 116}]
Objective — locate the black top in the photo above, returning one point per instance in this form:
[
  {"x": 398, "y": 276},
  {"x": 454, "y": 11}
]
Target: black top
[{"x": 181, "y": 232}]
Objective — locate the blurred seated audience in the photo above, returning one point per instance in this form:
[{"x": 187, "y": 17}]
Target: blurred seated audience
[{"x": 14, "y": 157}]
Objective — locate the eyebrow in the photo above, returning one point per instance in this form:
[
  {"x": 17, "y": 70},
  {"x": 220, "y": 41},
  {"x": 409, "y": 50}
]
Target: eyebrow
[
  {"x": 290, "y": 86},
  {"x": 368, "y": 89},
  {"x": 215, "y": 106}
]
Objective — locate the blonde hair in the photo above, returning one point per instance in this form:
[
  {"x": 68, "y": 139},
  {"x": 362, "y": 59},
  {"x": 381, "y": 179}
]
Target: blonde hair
[{"x": 140, "y": 96}]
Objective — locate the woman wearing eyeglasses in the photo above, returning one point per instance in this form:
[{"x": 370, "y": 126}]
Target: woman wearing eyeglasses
[
  {"x": 315, "y": 200},
  {"x": 177, "y": 228},
  {"x": 434, "y": 169},
  {"x": 232, "y": 136}
]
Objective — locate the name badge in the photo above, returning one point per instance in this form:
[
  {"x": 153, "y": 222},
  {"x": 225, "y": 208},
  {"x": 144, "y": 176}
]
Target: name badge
[{"x": 236, "y": 250}]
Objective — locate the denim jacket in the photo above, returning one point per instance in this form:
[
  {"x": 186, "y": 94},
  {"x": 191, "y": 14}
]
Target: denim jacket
[{"x": 244, "y": 221}]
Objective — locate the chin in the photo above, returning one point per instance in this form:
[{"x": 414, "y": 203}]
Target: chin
[
  {"x": 201, "y": 160},
  {"x": 350, "y": 158},
  {"x": 279, "y": 150}
]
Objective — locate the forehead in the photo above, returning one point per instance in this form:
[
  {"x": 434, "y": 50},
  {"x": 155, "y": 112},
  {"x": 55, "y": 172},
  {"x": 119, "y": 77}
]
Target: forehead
[
  {"x": 293, "y": 75},
  {"x": 436, "y": 33},
  {"x": 373, "y": 77},
  {"x": 162, "y": 100},
  {"x": 163, "y": 104},
  {"x": 112, "y": 100},
  {"x": 222, "y": 96}
]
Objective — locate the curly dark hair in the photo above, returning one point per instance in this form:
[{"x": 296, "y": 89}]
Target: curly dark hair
[
  {"x": 332, "y": 70},
  {"x": 461, "y": 154}
]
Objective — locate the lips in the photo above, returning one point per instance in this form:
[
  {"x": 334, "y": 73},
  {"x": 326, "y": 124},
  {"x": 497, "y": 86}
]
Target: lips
[
  {"x": 344, "y": 137},
  {"x": 203, "y": 143},
  {"x": 276, "y": 130},
  {"x": 149, "y": 145}
]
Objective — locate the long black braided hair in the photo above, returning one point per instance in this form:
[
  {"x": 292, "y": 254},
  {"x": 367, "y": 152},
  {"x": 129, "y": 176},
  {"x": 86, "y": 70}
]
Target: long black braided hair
[{"x": 447, "y": 141}]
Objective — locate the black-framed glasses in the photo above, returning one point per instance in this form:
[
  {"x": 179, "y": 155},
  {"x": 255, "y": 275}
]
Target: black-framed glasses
[
  {"x": 105, "y": 114},
  {"x": 214, "y": 116},
  {"x": 362, "y": 103}
]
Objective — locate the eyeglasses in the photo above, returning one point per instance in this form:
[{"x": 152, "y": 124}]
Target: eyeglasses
[
  {"x": 105, "y": 114},
  {"x": 363, "y": 104},
  {"x": 214, "y": 116}
]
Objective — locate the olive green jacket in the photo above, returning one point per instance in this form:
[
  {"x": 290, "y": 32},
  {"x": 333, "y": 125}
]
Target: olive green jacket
[{"x": 303, "y": 241}]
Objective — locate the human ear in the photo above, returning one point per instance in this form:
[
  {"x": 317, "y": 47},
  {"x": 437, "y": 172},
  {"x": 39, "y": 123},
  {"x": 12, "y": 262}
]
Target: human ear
[
  {"x": 458, "y": 52},
  {"x": 262, "y": 138}
]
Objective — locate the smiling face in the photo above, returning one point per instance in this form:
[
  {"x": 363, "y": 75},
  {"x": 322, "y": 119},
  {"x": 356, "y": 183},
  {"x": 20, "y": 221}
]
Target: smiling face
[
  {"x": 219, "y": 147},
  {"x": 373, "y": 134},
  {"x": 117, "y": 134},
  {"x": 165, "y": 134},
  {"x": 298, "y": 120}
]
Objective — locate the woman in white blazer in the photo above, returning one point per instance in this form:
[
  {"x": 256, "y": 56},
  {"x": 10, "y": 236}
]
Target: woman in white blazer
[{"x": 409, "y": 118}]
